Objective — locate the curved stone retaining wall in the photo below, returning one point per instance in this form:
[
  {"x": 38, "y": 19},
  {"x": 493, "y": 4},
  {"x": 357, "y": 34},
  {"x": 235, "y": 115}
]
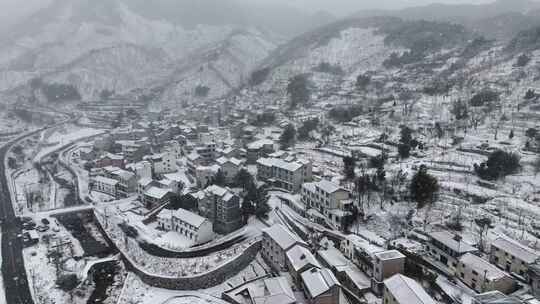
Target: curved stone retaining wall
[
  {"x": 202, "y": 281},
  {"x": 206, "y": 280}
]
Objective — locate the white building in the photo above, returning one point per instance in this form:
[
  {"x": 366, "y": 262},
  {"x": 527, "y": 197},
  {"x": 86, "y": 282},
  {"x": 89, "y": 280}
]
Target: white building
[
  {"x": 482, "y": 276},
  {"x": 229, "y": 167},
  {"x": 191, "y": 226},
  {"x": 163, "y": 163},
  {"x": 512, "y": 256},
  {"x": 205, "y": 174},
  {"x": 153, "y": 197},
  {"x": 386, "y": 264},
  {"x": 400, "y": 289},
  {"x": 321, "y": 286},
  {"x": 267, "y": 290},
  {"x": 142, "y": 169},
  {"x": 105, "y": 185},
  {"x": 277, "y": 240},
  {"x": 360, "y": 251},
  {"x": 285, "y": 174},
  {"x": 329, "y": 199},
  {"x": 207, "y": 150},
  {"x": 300, "y": 259},
  {"x": 447, "y": 248}
]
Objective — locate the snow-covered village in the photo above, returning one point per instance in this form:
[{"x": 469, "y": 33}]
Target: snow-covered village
[{"x": 231, "y": 152}]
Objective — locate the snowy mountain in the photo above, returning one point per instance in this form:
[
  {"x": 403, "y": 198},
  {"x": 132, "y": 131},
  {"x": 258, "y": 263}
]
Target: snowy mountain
[
  {"x": 335, "y": 55},
  {"x": 123, "y": 45}
]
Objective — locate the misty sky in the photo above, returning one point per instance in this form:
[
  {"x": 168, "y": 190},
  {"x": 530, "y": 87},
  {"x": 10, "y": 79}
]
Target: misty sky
[
  {"x": 345, "y": 7},
  {"x": 11, "y": 10}
]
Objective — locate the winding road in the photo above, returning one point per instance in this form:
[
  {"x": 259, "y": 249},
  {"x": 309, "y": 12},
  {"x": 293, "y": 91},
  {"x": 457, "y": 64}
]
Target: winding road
[{"x": 16, "y": 286}]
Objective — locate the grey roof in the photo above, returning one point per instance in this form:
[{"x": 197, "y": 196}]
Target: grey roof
[
  {"x": 407, "y": 290},
  {"x": 449, "y": 241},
  {"x": 516, "y": 249},
  {"x": 389, "y": 255},
  {"x": 319, "y": 281},
  {"x": 328, "y": 187},
  {"x": 282, "y": 236},
  {"x": 280, "y": 163},
  {"x": 496, "y": 297},
  {"x": 189, "y": 217},
  {"x": 300, "y": 256},
  {"x": 482, "y": 266}
]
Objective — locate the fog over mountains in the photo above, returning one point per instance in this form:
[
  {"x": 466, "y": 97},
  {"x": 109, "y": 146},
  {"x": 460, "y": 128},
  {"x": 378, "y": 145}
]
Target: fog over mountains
[{"x": 173, "y": 46}]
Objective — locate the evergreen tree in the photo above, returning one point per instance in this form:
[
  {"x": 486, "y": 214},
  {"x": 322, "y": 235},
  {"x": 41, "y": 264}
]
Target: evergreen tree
[
  {"x": 424, "y": 187},
  {"x": 349, "y": 164},
  {"x": 219, "y": 179},
  {"x": 243, "y": 179},
  {"x": 287, "y": 138},
  {"x": 298, "y": 90}
]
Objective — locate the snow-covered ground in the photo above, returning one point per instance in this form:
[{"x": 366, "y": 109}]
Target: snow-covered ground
[
  {"x": 136, "y": 290},
  {"x": 162, "y": 266}
]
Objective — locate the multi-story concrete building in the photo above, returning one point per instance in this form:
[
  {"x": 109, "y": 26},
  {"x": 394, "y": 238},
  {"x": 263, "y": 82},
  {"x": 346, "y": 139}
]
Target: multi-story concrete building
[
  {"x": 104, "y": 185},
  {"x": 385, "y": 265},
  {"x": 229, "y": 167},
  {"x": 127, "y": 181},
  {"x": 207, "y": 150},
  {"x": 163, "y": 163},
  {"x": 347, "y": 273},
  {"x": 512, "y": 256},
  {"x": 109, "y": 159},
  {"x": 153, "y": 197},
  {"x": 141, "y": 169},
  {"x": 275, "y": 290},
  {"x": 400, "y": 289},
  {"x": 205, "y": 174},
  {"x": 321, "y": 286},
  {"x": 191, "y": 226},
  {"x": 329, "y": 199},
  {"x": 300, "y": 259},
  {"x": 447, "y": 248},
  {"x": 259, "y": 149},
  {"x": 222, "y": 207},
  {"x": 134, "y": 151},
  {"x": 277, "y": 240},
  {"x": 360, "y": 252},
  {"x": 482, "y": 276},
  {"x": 285, "y": 174}
]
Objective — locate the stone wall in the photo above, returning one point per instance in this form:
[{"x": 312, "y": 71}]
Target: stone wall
[{"x": 206, "y": 280}]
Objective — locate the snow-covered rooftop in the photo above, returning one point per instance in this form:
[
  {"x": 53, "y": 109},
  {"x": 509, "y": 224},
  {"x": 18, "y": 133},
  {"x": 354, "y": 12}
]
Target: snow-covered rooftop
[
  {"x": 514, "y": 248},
  {"x": 156, "y": 192},
  {"x": 333, "y": 257},
  {"x": 407, "y": 290},
  {"x": 389, "y": 255},
  {"x": 189, "y": 217},
  {"x": 105, "y": 180},
  {"x": 449, "y": 240},
  {"x": 282, "y": 236},
  {"x": 482, "y": 266},
  {"x": 327, "y": 186},
  {"x": 318, "y": 281},
  {"x": 300, "y": 256},
  {"x": 280, "y": 163}
]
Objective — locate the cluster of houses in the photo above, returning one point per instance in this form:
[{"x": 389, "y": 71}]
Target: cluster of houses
[
  {"x": 334, "y": 275},
  {"x": 357, "y": 266},
  {"x": 159, "y": 162}
]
